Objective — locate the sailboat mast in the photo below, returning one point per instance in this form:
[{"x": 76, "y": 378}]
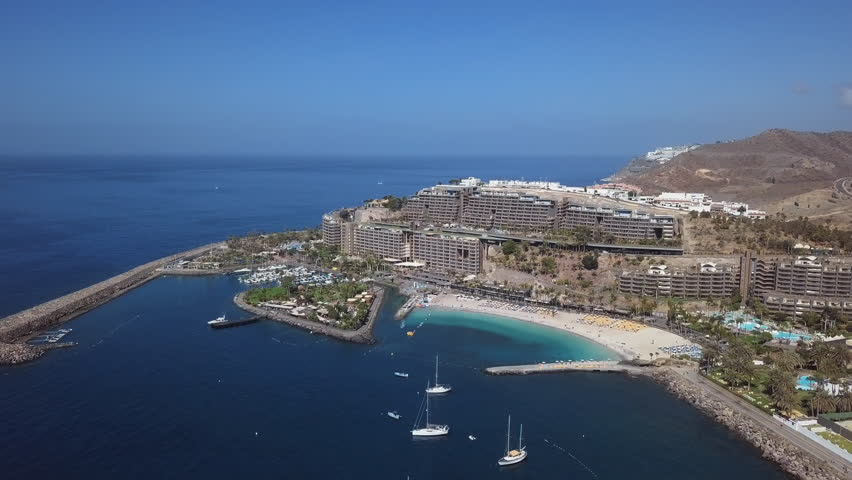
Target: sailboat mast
[
  {"x": 508, "y": 430},
  {"x": 427, "y": 406},
  {"x": 521, "y": 438},
  {"x": 436, "y": 370}
]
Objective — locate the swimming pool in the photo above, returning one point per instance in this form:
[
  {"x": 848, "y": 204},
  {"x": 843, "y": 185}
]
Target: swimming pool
[{"x": 803, "y": 383}]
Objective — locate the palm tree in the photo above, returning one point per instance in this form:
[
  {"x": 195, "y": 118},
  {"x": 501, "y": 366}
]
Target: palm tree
[
  {"x": 844, "y": 400},
  {"x": 822, "y": 401},
  {"x": 782, "y": 390},
  {"x": 710, "y": 355}
]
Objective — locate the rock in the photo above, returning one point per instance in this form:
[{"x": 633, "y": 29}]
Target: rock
[
  {"x": 791, "y": 458},
  {"x": 17, "y": 353}
]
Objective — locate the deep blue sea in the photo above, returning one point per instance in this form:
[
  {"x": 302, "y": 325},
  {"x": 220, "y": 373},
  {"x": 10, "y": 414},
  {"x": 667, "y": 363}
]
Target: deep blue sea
[{"x": 151, "y": 392}]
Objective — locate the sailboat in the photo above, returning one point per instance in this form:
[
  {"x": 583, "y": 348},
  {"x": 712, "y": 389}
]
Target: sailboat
[
  {"x": 513, "y": 456},
  {"x": 429, "y": 430},
  {"x": 438, "y": 388}
]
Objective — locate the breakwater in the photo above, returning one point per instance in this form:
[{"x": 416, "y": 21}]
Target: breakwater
[
  {"x": 558, "y": 367},
  {"x": 23, "y": 325},
  {"x": 362, "y": 335},
  {"x": 793, "y": 459}
]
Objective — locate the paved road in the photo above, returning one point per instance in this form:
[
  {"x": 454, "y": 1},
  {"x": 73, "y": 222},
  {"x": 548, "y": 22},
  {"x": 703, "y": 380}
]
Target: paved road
[
  {"x": 753, "y": 413},
  {"x": 843, "y": 186}
]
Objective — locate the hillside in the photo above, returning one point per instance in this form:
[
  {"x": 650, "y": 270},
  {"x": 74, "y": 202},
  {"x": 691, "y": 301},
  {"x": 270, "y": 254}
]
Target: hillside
[{"x": 772, "y": 170}]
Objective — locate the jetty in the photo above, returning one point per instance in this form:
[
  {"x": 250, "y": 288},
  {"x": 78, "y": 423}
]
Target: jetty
[
  {"x": 407, "y": 307},
  {"x": 236, "y": 323},
  {"x": 558, "y": 367}
]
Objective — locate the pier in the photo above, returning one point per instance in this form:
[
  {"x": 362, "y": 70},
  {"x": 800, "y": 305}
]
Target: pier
[
  {"x": 558, "y": 367},
  {"x": 236, "y": 323}
]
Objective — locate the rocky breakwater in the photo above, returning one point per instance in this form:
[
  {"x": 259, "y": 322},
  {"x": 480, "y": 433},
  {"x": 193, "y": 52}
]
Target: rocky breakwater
[
  {"x": 362, "y": 335},
  {"x": 23, "y": 325},
  {"x": 791, "y": 458}
]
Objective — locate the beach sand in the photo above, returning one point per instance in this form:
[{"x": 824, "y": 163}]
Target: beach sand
[{"x": 627, "y": 344}]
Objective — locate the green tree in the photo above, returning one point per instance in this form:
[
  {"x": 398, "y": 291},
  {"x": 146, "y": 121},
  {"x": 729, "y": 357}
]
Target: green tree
[
  {"x": 786, "y": 361},
  {"x": 548, "y": 265},
  {"x": 509, "y": 247},
  {"x": 710, "y": 355},
  {"x": 782, "y": 389},
  {"x": 738, "y": 367},
  {"x": 821, "y": 402},
  {"x": 590, "y": 261}
]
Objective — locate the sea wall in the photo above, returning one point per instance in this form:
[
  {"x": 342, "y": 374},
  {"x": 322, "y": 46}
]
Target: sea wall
[
  {"x": 23, "y": 325},
  {"x": 362, "y": 335},
  {"x": 791, "y": 458}
]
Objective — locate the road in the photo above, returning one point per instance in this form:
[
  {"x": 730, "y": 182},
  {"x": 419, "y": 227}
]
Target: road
[
  {"x": 753, "y": 413},
  {"x": 843, "y": 186}
]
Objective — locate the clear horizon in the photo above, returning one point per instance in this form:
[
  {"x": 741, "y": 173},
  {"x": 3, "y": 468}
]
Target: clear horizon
[{"x": 393, "y": 80}]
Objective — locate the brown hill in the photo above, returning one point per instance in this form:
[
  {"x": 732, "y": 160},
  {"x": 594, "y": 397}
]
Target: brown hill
[{"x": 763, "y": 170}]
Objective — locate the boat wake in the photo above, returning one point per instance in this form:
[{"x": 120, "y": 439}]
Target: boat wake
[
  {"x": 114, "y": 330},
  {"x": 572, "y": 456}
]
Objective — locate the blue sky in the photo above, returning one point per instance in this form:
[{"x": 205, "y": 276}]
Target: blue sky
[{"x": 402, "y": 77}]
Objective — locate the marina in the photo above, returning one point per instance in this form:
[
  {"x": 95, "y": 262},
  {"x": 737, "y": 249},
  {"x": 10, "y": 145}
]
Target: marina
[{"x": 51, "y": 337}]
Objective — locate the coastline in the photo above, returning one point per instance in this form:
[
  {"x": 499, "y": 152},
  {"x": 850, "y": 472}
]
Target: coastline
[
  {"x": 363, "y": 335},
  {"x": 19, "y": 327},
  {"x": 627, "y": 345}
]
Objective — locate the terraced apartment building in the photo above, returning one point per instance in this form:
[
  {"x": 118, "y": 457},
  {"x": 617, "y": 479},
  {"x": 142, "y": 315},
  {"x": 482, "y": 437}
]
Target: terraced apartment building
[
  {"x": 618, "y": 222},
  {"x": 508, "y": 210},
  {"x": 505, "y": 209},
  {"x": 435, "y": 251},
  {"x": 707, "y": 280},
  {"x": 802, "y": 284}
]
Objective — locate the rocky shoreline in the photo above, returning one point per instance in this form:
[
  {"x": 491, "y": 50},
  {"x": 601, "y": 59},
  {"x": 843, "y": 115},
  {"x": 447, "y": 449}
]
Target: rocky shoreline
[
  {"x": 789, "y": 457},
  {"x": 362, "y": 335}
]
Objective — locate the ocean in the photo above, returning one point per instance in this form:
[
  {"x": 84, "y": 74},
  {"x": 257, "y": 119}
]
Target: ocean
[{"x": 151, "y": 392}]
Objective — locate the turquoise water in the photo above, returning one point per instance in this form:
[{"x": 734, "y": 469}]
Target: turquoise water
[
  {"x": 546, "y": 344},
  {"x": 748, "y": 323},
  {"x": 804, "y": 383}
]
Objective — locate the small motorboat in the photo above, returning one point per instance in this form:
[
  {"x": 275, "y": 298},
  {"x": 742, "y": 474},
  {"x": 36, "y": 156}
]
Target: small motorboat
[
  {"x": 410, "y": 334},
  {"x": 401, "y": 374},
  {"x": 471, "y": 437},
  {"x": 394, "y": 415}
]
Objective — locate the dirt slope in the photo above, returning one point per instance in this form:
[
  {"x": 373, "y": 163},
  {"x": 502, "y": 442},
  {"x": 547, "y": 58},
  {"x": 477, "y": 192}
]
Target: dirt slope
[{"x": 762, "y": 170}]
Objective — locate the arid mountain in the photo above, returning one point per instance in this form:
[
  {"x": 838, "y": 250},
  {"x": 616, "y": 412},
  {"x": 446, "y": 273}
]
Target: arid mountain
[{"x": 765, "y": 170}]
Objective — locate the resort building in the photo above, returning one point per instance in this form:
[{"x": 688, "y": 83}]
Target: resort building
[
  {"x": 801, "y": 284},
  {"x": 706, "y": 280},
  {"x": 382, "y": 241},
  {"x": 439, "y": 251},
  {"x": 511, "y": 209},
  {"x": 331, "y": 228},
  {"x": 621, "y": 223},
  {"x": 508, "y": 210},
  {"x": 436, "y": 205}
]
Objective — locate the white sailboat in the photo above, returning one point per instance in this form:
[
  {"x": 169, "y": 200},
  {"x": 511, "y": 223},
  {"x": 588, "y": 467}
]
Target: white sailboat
[
  {"x": 438, "y": 388},
  {"x": 429, "y": 430},
  {"x": 513, "y": 456}
]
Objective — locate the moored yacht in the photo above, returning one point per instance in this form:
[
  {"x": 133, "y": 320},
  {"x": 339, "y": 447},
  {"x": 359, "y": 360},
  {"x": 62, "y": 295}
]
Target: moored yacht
[
  {"x": 218, "y": 321},
  {"x": 513, "y": 456},
  {"x": 438, "y": 388},
  {"x": 429, "y": 430}
]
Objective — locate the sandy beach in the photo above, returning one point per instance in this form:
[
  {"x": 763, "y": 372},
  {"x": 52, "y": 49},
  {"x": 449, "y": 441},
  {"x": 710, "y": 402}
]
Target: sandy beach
[{"x": 630, "y": 341}]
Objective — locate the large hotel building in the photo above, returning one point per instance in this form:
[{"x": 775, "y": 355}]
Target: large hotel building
[
  {"x": 417, "y": 238},
  {"x": 789, "y": 285},
  {"x": 487, "y": 208}
]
